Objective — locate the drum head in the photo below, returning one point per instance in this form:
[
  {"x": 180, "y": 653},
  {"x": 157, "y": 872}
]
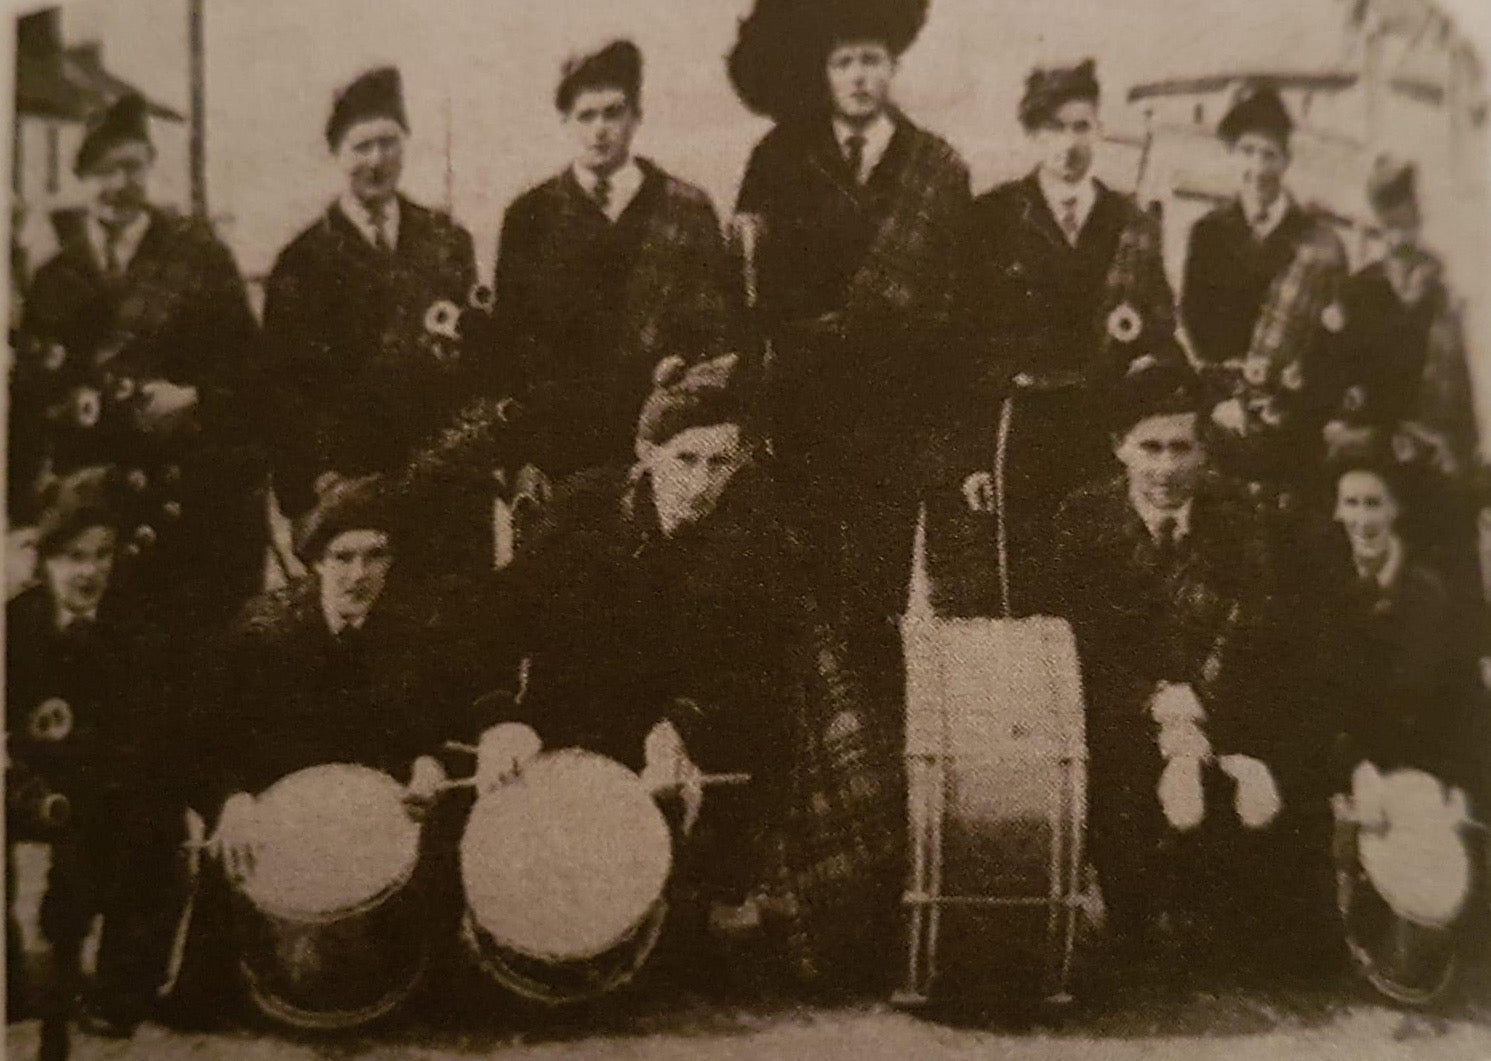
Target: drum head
[
  {"x": 332, "y": 838},
  {"x": 1419, "y": 864},
  {"x": 564, "y": 862}
]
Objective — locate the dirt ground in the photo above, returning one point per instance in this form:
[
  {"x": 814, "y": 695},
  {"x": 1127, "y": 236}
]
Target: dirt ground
[{"x": 1195, "y": 1024}]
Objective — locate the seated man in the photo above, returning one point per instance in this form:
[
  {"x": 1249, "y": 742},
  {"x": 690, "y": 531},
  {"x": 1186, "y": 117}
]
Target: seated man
[
  {"x": 323, "y": 672},
  {"x": 671, "y": 624},
  {"x": 1165, "y": 577},
  {"x": 84, "y": 729}
]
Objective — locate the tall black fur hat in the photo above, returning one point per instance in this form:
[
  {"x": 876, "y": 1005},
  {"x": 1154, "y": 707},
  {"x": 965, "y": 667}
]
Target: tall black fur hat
[
  {"x": 617, "y": 65},
  {"x": 127, "y": 119},
  {"x": 776, "y": 65},
  {"x": 376, "y": 94}
]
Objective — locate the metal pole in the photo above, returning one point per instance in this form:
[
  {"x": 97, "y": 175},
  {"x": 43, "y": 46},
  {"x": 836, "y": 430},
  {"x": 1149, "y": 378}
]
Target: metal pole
[{"x": 198, "y": 74}]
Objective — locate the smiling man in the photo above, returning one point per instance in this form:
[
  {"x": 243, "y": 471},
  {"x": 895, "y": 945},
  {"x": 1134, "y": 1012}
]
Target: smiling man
[
  {"x": 604, "y": 268},
  {"x": 357, "y": 383},
  {"x": 141, "y": 322},
  {"x": 1192, "y": 731}
]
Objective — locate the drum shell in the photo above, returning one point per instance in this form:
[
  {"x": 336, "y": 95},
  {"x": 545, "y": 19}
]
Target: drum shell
[
  {"x": 337, "y": 971},
  {"x": 999, "y": 891},
  {"x": 337, "y": 968}
]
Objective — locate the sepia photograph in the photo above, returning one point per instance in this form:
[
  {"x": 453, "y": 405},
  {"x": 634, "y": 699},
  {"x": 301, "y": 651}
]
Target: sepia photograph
[{"x": 715, "y": 529}]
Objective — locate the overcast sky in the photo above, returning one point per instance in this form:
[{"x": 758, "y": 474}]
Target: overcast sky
[{"x": 273, "y": 65}]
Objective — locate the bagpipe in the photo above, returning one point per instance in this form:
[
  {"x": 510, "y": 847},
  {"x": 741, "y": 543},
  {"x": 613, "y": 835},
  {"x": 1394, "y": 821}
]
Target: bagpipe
[{"x": 1261, "y": 401}]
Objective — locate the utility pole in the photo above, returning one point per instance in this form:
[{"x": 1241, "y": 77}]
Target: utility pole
[{"x": 198, "y": 134}]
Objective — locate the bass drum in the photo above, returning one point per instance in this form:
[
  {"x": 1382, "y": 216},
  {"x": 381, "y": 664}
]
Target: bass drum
[
  {"x": 564, "y": 870},
  {"x": 1402, "y": 890},
  {"x": 999, "y": 893},
  {"x": 333, "y": 930}
]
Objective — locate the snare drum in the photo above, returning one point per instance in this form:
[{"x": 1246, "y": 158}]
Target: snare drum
[
  {"x": 564, "y": 870},
  {"x": 1402, "y": 891},
  {"x": 333, "y": 934}
]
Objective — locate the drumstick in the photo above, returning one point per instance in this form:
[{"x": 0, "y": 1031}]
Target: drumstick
[
  {"x": 458, "y": 746},
  {"x": 707, "y": 779}
]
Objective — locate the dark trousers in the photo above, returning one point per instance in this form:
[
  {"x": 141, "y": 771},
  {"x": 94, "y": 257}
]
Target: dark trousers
[{"x": 126, "y": 876}]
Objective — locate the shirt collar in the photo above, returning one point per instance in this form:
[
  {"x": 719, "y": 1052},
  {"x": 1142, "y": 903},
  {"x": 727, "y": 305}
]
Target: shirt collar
[
  {"x": 126, "y": 241},
  {"x": 877, "y": 136},
  {"x": 356, "y": 212},
  {"x": 625, "y": 180},
  {"x": 1057, "y": 192},
  {"x": 1272, "y": 218},
  {"x": 65, "y": 618},
  {"x": 1154, "y": 517},
  {"x": 1387, "y": 574}
]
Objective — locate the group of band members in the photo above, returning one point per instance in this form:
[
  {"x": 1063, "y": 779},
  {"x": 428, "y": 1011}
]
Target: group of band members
[{"x": 1256, "y": 545}]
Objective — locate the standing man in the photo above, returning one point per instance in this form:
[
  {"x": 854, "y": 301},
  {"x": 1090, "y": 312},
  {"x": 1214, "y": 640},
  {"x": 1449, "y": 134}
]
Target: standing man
[
  {"x": 1262, "y": 280},
  {"x": 355, "y": 307},
  {"x": 1065, "y": 282},
  {"x": 860, "y": 213},
  {"x": 136, "y": 347},
  {"x": 603, "y": 269}
]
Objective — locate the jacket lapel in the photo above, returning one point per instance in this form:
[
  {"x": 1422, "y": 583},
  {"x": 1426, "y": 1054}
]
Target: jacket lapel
[{"x": 1036, "y": 216}]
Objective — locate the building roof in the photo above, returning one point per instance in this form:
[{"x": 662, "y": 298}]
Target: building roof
[
  {"x": 1310, "y": 80},
  {"x": 67, "y": 84}
]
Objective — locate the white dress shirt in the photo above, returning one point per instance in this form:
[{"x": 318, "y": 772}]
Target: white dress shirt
[
  {"x": 355, "y": 211},
  {"x": 625, "y": 183},
  {"x": 877, "y": 135},
  {"x": 1264, "y": 222},
  {"x": 65, "y": 618},
  {"x": 1082, "y": 196},
  {"x": 1154, "y": 518},
  {"x": 126, "y": 240},
  {"x": 1387, "y": 574}
]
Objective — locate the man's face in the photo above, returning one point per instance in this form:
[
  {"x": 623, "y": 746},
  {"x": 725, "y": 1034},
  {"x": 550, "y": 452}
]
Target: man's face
[
  {"x": 353, "y": 571},
  {"x": 1261, "y": 161},
  {"x": 78, "y": 574},
  {"x": 859, "y": 77},
  {"x": 371, "y": 155},
  {"x": 1401, "y": 226},
  {"x": 118, "y": 180},
  {"x": 1164, "y": 459},
  {"x": 1367, "y": 511},
  {"x": 1068, "y": 140},
  {"x": 603, "y": 122},
  {"x": 690, "y": 471}
]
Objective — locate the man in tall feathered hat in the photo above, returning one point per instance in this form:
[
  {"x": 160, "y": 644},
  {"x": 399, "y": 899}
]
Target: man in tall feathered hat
[
  {"x": 858, "y": 213},
  {"x": 361, "y": 310},
  {"x": 1261, "y": 293},
  {"x": 603, "y": 268},
  {"x": 1066, "y": 282},
  {"x": 135, "y": 341}
]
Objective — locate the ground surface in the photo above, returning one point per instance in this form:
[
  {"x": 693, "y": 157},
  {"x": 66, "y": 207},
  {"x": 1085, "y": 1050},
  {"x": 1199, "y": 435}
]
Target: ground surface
[{"x": 1185, "y": 1025}]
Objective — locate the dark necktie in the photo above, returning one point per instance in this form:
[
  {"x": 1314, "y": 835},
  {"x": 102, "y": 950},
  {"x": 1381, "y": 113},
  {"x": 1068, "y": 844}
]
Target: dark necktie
[
  {"x": 79, "y": 631},
  {"x": 112, "y": 265},
  {"x": 602, "y": 193},
  {"x": 854, "y": 155},
  {"x": 1166, "y": 537},
  {"x": 378, "y": 215},
  {"x": 1071, "y": 226}
]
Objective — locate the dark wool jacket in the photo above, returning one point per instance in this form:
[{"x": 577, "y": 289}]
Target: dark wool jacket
[
  {"x": 179, "y": 313},
  {"x": 285, "y": 694},
  {"x": 590, "y": 306},
  {"x": 1228, "y": 276},
  {"x": 1210, "y": 618},
  {"x": 115, "y": 744},
  {"x": 356, "y": 385},
  {"x": 857, "y": 283},
  {"x": 1034, "y": 302},
  {"x": 1398, "y": 674}
]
